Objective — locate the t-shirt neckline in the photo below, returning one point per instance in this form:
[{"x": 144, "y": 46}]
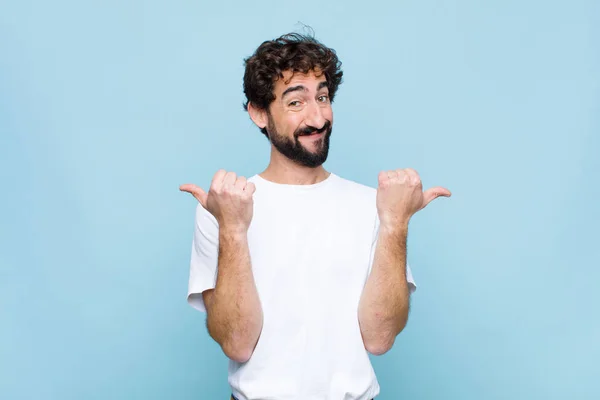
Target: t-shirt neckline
[{"x": 297, "y": 187}]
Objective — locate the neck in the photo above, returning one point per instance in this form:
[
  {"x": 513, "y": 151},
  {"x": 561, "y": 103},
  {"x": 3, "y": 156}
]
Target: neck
[{"x": 283, "y": 170}]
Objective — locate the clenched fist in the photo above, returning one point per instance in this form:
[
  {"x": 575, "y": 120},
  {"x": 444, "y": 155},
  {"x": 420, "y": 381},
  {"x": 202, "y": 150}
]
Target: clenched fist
[
  {"x": 400, "y": 195},
  {"x": 229, "y": 199}
]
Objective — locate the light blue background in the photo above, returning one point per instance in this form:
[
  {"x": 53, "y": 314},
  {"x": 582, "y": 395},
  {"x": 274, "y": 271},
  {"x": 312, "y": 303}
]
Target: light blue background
[{"x": 106, "y": 107}]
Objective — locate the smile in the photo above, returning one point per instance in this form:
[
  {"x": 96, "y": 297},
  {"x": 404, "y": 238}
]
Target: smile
[{"x": 313, "y": 135}]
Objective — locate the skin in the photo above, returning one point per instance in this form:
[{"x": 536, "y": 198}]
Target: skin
[
  {"x": 384, "y": 304},
  {"x": 297, "y": 109},
  {"x": 234, "y": 313}
]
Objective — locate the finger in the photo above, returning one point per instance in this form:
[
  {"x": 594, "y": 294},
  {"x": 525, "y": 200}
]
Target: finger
[
  {"x": 229, "y": 179},
  {"x": 217, "y": 180},
  {"x": 250, "y": 188},
  {"x": 410, "y": 172},
  {"x": 240, "y": 183},
  {"x": 402, "y": 176},
  {"x": 382, "y": 177},
  {"x": 392, "y": 174},
  {"x": 412, "y": 176},
  {"x": 195, "y": 191},
  {"x": 431, "y": 194}
]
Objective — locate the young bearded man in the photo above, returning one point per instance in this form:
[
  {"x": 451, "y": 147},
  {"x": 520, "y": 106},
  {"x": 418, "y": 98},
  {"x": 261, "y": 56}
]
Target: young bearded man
[{"x": 300, "y": 271}]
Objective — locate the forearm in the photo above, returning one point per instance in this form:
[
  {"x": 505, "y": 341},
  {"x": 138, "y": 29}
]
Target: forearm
[
  {"x": 384, "y": 305},
  {"x": 235, "y": 312}
]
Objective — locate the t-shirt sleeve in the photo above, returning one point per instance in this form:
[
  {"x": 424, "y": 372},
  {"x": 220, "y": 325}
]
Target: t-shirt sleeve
[
  {"x": 205, "y": 251},
  {"x": 412, "y": 286}
]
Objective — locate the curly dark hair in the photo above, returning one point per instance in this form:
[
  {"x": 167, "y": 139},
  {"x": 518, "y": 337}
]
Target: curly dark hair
[{"x": 292, "y": 51}]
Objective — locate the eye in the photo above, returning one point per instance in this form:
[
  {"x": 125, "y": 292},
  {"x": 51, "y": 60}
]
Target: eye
[
  {"x": 294, "y": 103},
  {"x": 323, "y": 98}
]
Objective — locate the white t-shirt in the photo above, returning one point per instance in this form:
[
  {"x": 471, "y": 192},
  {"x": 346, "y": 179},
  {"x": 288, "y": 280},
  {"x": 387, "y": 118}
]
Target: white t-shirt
[{"x": 311, "y": 250}]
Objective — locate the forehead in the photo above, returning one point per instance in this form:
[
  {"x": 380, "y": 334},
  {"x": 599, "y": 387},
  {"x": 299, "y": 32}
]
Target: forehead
[{"x": 310, "y": 80}]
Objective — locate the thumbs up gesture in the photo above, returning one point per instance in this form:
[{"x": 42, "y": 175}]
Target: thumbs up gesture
[
  {"x": 229, "y": 200},
  {"x": 400, "y": 195}
]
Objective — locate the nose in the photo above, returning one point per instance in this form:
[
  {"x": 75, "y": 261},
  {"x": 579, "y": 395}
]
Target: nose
[{"x": 314, "y": 116}]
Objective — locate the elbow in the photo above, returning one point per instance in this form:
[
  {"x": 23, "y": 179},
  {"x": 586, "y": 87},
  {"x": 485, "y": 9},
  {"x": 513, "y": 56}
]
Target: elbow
[
  {"x": 383, "y": 342},
  {"x": 238, "y": 353},
  {"x": 239, "y": 349},
  {"x": 380, "y": 347},
  {"x": 237, "y": 345}
]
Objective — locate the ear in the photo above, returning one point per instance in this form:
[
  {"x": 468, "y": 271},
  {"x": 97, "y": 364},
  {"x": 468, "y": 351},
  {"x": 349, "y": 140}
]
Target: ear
[{"x": 258, "y": 115}]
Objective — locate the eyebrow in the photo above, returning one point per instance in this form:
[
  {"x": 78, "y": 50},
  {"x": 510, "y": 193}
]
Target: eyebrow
[{"x": 302, "y": 88}]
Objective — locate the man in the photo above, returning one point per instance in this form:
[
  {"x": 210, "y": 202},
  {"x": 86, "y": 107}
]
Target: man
[{"x": 301, "y": 272}]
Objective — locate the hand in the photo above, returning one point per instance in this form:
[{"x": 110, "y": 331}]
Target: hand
[
  {"x": 229, "y": 200},
  {"x": 400, "y": 195}
]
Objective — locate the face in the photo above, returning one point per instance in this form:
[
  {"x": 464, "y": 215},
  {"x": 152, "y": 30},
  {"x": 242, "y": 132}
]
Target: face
[{"x": 300, "y": 119}]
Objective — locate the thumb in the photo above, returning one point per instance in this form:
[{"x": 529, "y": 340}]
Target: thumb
[
  {"x": 250, "y": 187},
  {"x": 195, "y": 191},
  {"x": 431, "y": 194}
]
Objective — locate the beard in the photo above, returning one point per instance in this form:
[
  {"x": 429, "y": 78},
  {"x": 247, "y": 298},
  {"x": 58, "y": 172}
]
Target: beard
[{"x": 295, "y": 150}]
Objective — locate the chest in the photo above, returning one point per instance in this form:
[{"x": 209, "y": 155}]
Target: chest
[{"x": 319, "y": 249}]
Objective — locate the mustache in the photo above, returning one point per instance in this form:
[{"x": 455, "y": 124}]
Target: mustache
[{"x": 310, "y": 129}]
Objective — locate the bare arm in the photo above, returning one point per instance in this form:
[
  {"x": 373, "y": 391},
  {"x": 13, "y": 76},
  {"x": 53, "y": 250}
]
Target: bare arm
[
  {"x": 234, "y": 312},
  {"x": 385, "y": 302},
  {"x": 384, "y": 305}
]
